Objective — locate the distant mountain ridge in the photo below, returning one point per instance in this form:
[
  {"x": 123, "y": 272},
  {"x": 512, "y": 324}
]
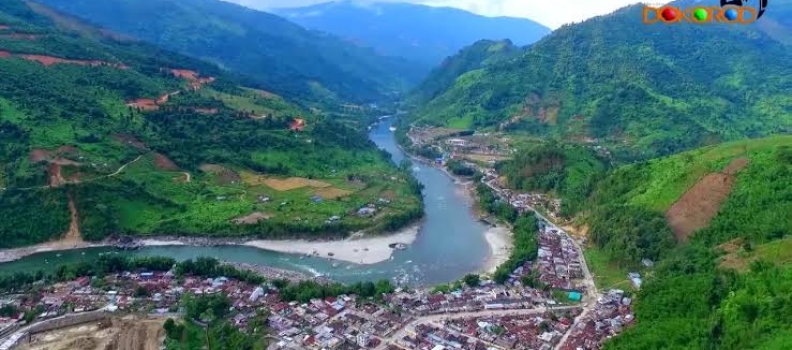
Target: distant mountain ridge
[
  {"x": 284, "y": 57},
  {"x": 417, "y": 32}
]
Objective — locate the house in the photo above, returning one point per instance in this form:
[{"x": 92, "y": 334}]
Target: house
[
  {"x": 298, "y": 124},
  {"x": 317, "y": 199},
  {"x": 366, "y": 212}
]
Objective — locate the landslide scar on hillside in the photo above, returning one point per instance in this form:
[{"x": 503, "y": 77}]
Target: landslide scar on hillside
[{"x": 699, "y": 205}]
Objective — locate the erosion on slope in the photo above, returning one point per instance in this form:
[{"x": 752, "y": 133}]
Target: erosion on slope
[{"x": 150, "y": 142}]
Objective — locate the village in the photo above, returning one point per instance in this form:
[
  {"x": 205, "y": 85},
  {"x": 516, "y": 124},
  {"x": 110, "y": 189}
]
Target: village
[{"x": 562, "y": 311}]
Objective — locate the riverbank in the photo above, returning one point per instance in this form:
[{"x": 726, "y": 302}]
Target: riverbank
[
  {"x": 357, "y": 249},
  {"x": 499, "y": 237}
]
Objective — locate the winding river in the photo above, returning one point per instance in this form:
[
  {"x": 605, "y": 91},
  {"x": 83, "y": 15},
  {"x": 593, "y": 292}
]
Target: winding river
[{"x": 450, "y": 244}]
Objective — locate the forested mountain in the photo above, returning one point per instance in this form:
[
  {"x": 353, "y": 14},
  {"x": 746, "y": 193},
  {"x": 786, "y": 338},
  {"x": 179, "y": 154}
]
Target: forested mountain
[
  {"x": 101, "y": 136},
  {"x": 717, "y": 219},
  {"x": 643, "y": 90},
  {"x": 284, "y": 57},
  {"x": 479, "y": 55},
  {"x": 417, "y": 32}
]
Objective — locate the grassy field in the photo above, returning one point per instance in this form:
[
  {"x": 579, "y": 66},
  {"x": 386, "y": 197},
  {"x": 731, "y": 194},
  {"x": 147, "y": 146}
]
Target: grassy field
[
  {"x": 606, "y": 274},
  {"x": 777, "y": 252}
]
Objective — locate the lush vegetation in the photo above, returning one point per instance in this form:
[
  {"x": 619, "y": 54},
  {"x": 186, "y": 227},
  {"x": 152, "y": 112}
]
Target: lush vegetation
[
  {"x": 568, "y": 171},
  {"x": 526, "y": 246},
  {"x": 628, "y": 206},
  {"x": 281, "y": 56},
  {"x": 690, "y": 304},
  {"x": 641, "y": 90},
  {"x": 490, "y": 203},
  {"x": 215, "y": 330},
  {"x": 204, "y": 160}
]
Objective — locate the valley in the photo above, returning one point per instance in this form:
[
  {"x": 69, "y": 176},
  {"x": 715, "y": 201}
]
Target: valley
[{"x": 200, "y": 174}]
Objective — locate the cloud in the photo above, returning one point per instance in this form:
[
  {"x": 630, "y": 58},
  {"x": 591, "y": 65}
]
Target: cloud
[{"x": 552, "y": 13}]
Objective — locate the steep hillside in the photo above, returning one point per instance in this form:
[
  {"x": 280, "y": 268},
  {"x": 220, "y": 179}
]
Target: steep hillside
[
  {"x": 708, "y": 195},
  {"x": 103, "y": 137},
  {"x": 729, "y": 286},
  {"x": 282, "y": 56},
  {"x": 643, "y": 90},
  {"x": 479, "y": 55},
  {"x": 417, "y": 32}
]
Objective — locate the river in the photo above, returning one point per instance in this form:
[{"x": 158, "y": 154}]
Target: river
[{"x": 450, "y": 244}]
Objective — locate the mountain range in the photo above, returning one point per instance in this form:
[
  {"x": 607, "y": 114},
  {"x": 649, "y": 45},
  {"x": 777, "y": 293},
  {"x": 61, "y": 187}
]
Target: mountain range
[
  {"x": 643, "y": 90},
  {"x": 416, "y": 32},
  {"x": 279, "y": 55}
]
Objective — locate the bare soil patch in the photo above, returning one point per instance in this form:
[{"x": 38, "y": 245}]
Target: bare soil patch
[
  {"x": 39, "y": 155},
  {"x": 694, "y": 210},
  {"x": 130, "y": 140},
  {"x": 294, "y": 183},
  {"x": 120, "y": 335},
  {"x": 3, "y": 27},
  {"x": 196, "y": 82},
  {"x": 699, "y": 205},
  {"x": 50, "y": 60},
  {"x": 736, "y": 165},
  {"x": 225, "y": 175},
  {"x": 253, "y": 179},
  {"x": 332, "y": 192},
  {"x": 164, "y": 163},
  {"x": 4, "y": 54},
  {"x": 144, "y": 104},
  {"x": 210, "y": 111},
  {"x": 251, "y": 218}
]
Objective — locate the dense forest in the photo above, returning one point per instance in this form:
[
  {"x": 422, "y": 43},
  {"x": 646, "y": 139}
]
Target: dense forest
[
  {"x": 145, "y": 141},
  {"x": 643, "y": 91},
  {"x": 568, "y": 171}
]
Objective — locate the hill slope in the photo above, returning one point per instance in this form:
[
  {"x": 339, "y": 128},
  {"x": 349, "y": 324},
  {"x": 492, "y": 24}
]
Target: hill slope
[
  {"x": 693, "y": 300},
  {"x": 417, "y": 32},
  {"x": 481, "y": 54},
  {"x": 103, "y": 137},
  {"x": 643, "y": 90},
  {"x": 708, "y": 195},
  {"x": 282, "y": 56}
]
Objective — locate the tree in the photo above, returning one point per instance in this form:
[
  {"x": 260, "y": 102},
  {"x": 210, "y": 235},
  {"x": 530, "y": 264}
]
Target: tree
[{"x": 472, "y": 280}]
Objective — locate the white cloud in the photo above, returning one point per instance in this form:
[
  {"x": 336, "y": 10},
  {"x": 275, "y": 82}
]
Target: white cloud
[{"x": 552, "y": 13}]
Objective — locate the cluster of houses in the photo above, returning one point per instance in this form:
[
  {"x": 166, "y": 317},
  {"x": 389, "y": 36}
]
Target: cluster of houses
[
  {"x": 558, "y": 260},
  {"x": 609, "y": 317},
  {"x": 541, "y": 331}
]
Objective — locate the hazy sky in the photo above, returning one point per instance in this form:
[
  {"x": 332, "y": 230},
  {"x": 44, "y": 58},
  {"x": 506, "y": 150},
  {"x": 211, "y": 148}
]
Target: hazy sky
[{"x": 552, "y": 13}]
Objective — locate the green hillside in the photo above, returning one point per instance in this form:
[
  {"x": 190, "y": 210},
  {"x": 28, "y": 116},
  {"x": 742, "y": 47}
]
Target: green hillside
[
  {"x": 641, "y": 90},
  {"x": 145, "y": 141},
  {"x": 693, "y": 299},
  {"x": 481, "y": 54},
  {"x": 282, "y": 56},
  {"x": 629, "y": 218}
]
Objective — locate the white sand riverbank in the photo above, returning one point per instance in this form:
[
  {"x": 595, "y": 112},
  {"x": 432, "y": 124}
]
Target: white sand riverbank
[
  {"x": 501, "y": 243},
  {"x": 359, "y": 250}
]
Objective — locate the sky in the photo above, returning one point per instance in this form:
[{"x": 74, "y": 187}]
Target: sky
[{"x": 552, "y": 13}]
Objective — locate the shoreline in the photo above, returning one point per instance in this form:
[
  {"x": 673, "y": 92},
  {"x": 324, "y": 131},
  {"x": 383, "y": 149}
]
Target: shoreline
[
  {"x": 357, "y": 248},
  {"x": 500, "y": 238}
]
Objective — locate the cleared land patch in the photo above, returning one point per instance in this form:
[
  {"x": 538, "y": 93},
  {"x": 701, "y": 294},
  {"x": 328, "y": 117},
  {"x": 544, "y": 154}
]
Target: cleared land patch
[
  {"x": 252, "y": 218},
  {"x": 116, "y": 335},
  {"x": 224, "y": 175},
  {"x": 699, "y": 205},
  {"x": 292, "y": 183},
  {"x": 777, "y": 252},
  {"x": 332, "y": 192},
  {"x": 164, "y": 163}
]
